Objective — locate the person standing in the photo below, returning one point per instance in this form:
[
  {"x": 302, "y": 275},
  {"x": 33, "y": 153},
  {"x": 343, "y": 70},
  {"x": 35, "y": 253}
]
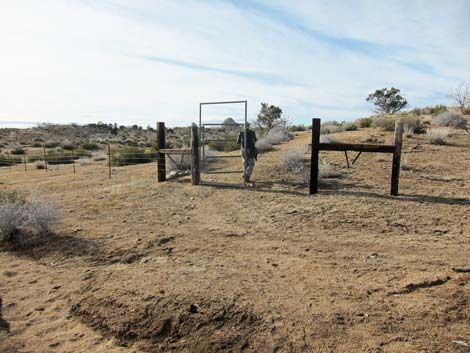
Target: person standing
[{"x": 249, "y": 151}]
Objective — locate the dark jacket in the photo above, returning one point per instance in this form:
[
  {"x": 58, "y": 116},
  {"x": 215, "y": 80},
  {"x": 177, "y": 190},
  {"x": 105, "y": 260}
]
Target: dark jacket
[{"x": 250, "y": 142}]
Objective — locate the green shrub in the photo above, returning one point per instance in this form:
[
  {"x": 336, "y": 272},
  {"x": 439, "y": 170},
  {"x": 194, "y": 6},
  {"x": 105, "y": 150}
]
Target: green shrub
[
  {"x": 68, "y": 146},
  {"x": 296, "y": 128},
  {"x": 5, "y": 161},
  {"x": 34, "y": 158},
  {"x": 57, "y": 157},
  {"x": 386, "y": 123},
  {"x": 132, "y": 155},
  {"x": 36, "y": 144},
  {"x": 18, "y": 151},
  {"x": 364, "y": 122},
  {"x": 90, "y": 146},
  {"x": 346, "y": 126},
  {"x": 413, "y": 125},
  {"x": 51, "y": 144},
  {"x": 226, "y": 143},
  {"x": 467, "y": 111}
]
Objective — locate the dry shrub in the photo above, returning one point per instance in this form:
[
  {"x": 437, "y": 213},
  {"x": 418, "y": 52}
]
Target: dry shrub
[
  {"x": 16, "y": 213},
  {"x": 278, "y": 135},
  {"x": 438, "y": 136},
  {"x": 386, "y": 123},
  {"x": 451, "y": 119},
  {"x": 264, "y": 145},
  {"x": 293, "y": 161}
]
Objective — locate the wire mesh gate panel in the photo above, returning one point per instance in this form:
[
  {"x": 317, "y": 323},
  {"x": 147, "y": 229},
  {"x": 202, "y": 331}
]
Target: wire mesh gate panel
[{"x": 203, "y": 136}]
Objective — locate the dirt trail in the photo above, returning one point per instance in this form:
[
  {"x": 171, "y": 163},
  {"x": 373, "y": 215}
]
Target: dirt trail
[{"x": 137, "y": 266}]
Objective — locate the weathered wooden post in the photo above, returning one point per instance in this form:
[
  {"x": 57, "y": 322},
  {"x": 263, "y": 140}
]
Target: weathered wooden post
[
  {"x": 396, "y": 158},
  {"x": 195, "y": 172},
  {"x": 314, "y": 156},
  {"x": 161, "y": 165},
  {"x": 73, "y": 161},
  {"x": 24, "y": 162},
  {"x": 45, "y": 156},
  {"x": 109, "y": 161}
]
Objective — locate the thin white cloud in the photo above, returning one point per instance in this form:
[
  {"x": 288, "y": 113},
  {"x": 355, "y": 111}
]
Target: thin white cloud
[{"x": 142, "y": 61}]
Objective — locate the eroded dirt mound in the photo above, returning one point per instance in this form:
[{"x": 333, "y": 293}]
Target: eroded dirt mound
[{"x": 163, "y": 323}]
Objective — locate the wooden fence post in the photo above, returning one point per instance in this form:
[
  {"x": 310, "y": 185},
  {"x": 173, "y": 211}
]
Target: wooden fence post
[
  {"x": 24, "y": 162},
  {"x": 314, "y": 156},
  {"x": 45, "y": 156},
  {"x": 8, "y": 159},
  {"x": 195, "y": 172},
  {"x": 396, "y": 158},
  {"x": 73, "y": 161},
  {"x": 109, "y": 161},
  {"x": 161, "y": 165}
]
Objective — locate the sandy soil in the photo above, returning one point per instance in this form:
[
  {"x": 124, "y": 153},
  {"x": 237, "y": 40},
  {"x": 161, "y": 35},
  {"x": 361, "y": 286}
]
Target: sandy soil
[{"x": 137, "y": 266}]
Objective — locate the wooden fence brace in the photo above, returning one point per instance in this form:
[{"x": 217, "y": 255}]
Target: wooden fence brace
[
  {"x": 356, "y": 158},
  {"x": 24, "y": 162},
  {"x": 396, "y": 158},
  {"x": 314, "y": 160},
  {"x": 161, "y": 164},
  {"x": 195, "y": 171},
  {"x": 73, "y": 161},
  {"x": 45, "y": 156},
  {"x": 347, "y": 159},
  {"x": 109, "y": 160}
]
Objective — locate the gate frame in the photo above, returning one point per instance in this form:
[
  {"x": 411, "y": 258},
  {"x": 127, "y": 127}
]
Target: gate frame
[
  {"x": 202, "y": 139},
  {"x": 316, "y": 147}
]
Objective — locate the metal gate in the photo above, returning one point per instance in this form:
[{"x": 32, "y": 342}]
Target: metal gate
[{"x": 204, "y": 140}]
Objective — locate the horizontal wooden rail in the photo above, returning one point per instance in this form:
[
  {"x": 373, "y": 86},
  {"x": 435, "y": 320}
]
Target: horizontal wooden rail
[{"x": 336, "y": 146}]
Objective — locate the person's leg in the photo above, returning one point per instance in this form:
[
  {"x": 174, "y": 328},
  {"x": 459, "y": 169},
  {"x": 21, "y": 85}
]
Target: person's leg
[{"x": 250, "y": 164}]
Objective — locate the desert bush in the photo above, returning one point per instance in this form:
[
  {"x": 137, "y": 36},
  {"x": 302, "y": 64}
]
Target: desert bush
[
  {"x": 386, "y": 123},
  {"x": 328, "y": 128},
  {"x": 40, "y": 165},
  {"x": 293, "y": 161},
  {"x": 263, "y": 145},
  {"x": 327, "y": 139},
  {"x": 366, "y": 138},
  {"x": 40, "y": 215},
  {"x": 36, "y": 144},
  {"x": 51, "y": 144},
  {"x": 18, "y": 151},
  {"x": 68, "y": 146},
  {"x": 347, "y": 126},
  {"x": 364, "y": 122},
  {"x": 226, "y": 143},
  {"x": 34, "y": 158},
  {"x": 450, "y": 119},
  {"x": 100, "y": 156},
  {"x": 438, "y": 136},
  {"x": 132, "y": 155},
  {"x": 278, "y": 135},
  {"x": 413, "y": 125},
  {"x": 297, "y": 128},
  {"x": 467, "y": 111},
  {"x": 55, "y": 157},
  {"x": 90, "y": 146},
  {"x": 6, "y": 160},
  {"x": 16, "y": 213}
]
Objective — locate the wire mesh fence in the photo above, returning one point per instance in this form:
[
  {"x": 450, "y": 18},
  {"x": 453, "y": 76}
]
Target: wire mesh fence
[{"x": 112, "y": 160}]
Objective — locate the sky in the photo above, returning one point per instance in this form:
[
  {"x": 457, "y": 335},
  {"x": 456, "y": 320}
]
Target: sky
[{"x": 142, "y": 61}]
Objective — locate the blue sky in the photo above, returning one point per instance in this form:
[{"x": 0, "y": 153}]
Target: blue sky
[{"x": 139, "y": 61}]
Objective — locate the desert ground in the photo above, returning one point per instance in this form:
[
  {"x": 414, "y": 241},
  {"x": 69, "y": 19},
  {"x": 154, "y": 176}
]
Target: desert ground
[{"x": 141, "y": 266}]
